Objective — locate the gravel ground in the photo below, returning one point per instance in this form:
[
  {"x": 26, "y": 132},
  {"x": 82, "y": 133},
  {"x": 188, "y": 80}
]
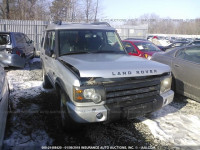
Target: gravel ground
[{"x": 33, "y": 121}]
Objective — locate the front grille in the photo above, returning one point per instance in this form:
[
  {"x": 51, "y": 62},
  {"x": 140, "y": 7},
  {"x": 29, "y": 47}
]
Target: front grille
[{"x": 132, "y": 90}]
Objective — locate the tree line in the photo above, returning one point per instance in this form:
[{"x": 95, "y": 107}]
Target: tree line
[
  {"x": 66, "y": 10},
  {"x": 88, "y": 11}
]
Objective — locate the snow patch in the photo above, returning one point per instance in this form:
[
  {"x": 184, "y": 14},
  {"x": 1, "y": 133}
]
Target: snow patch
[{"x": 170, "y": 125}]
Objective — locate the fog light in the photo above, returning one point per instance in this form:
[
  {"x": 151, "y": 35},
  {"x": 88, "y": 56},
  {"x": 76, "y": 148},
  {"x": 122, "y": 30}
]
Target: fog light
[{"x": 99, "y": 115}]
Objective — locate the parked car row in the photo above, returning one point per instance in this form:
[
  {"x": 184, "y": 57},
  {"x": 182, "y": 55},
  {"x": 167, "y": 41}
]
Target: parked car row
[
  {"x": 173, "y": 42},
  {"x": 182, "y": 57}
]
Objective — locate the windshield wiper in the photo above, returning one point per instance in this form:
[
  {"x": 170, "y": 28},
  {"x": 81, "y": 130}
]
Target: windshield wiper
[{"x": 78, "y": 52}]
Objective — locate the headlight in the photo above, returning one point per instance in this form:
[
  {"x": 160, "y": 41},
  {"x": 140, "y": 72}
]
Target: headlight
[
  {"x": 96, "y": 94},
  {"x": 87, "y": 93},
  {"x": 165, "y": 84}
]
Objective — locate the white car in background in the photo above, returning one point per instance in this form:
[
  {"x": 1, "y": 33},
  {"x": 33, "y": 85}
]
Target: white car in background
[{"x": 159, "y": 41}]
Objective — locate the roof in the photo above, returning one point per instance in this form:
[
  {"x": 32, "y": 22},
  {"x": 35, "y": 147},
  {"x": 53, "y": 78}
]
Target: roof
[
  {"x": 67, "y": 26},
  {"x": 8, "y": 32},
  {"x": 4, "y": 32}
]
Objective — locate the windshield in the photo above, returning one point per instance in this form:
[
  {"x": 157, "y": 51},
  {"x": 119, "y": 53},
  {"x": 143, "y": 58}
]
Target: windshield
[
  {"x": 4, "y": 39},
  {"x": 89, "y": 41},
  {"x": 146, "y": 46}
]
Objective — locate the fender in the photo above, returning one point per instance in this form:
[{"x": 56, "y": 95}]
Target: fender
[{"x": 60, "y": 84}]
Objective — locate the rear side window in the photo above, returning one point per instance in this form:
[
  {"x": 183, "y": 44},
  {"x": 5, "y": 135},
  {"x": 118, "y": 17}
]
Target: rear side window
[
  {"x": 50, "y": 41},
  {"x": 191, "y": 54},
  {"x": 4, "y": 39}
]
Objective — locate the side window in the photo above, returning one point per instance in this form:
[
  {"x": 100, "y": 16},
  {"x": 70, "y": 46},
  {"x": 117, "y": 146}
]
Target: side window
[
  {"x": 190, "y": 54},
  {"x": 50, "y": 41},
  {"x": 129, "y": 48}
]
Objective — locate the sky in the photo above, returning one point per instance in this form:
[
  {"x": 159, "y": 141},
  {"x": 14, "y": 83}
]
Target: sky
[{"x": 130, "y": 9}]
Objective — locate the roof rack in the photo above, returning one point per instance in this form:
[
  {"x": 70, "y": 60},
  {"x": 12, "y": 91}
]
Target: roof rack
[
  {"x": 101, "y": 23},
  {"x": 59, "y": 22}
]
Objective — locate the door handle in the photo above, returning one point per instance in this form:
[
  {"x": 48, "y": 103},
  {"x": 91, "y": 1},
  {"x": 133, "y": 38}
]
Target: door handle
[
  {"x": 1, "y": 99},
  {"x": 176, "y": 65},
  {"x": 46, "y": 58}
]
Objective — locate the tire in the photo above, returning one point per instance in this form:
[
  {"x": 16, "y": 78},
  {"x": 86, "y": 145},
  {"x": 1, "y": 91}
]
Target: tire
[
  {"x": 173, "y": 86},
  {"x": 67, "y": 122},
  {"x": 34, "y": 54},
  {"x": 46, "y": 83}
]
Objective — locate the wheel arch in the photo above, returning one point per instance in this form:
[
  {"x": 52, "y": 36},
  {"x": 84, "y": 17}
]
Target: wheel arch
[{"x": 59, "y": 84}]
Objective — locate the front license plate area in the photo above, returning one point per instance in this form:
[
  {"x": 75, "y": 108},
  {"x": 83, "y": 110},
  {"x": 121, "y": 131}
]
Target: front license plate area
[{"x": 139, "y": 110}]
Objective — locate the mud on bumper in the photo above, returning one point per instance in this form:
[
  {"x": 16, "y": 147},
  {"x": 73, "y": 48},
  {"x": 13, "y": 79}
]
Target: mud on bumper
[{"x": 112, "y": 112}]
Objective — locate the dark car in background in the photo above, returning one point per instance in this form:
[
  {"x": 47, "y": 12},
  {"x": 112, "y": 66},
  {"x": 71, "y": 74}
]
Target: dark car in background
[
  {"x": 4, "y": 93},
  {"x": 15, "y": 49},
  {"x": 185, "y": 65},
  {"x": 141, "y": 48}
]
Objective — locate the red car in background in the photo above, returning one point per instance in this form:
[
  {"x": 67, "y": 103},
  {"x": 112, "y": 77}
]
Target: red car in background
[{"x": 141, "y": 48}]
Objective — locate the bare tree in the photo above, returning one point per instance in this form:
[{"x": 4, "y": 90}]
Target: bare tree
[
  {"x": 96, "y": 10},
  {"x": 4, "y": 9}
]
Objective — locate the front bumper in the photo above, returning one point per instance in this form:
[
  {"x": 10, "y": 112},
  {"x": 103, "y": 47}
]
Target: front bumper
[
  {"x": 8, "y": 59},
  {"x": 114, "y": 112}
]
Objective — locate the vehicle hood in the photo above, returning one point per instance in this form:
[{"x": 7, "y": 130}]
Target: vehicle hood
[{"x": 113, "y": 65}]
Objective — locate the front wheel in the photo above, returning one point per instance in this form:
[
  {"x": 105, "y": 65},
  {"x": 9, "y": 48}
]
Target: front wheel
[{"x": 68, "y": 123}]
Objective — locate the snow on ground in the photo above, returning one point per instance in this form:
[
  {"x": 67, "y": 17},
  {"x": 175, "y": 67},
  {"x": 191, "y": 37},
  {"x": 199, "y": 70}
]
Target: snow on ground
[
  {"x": 24, "y": 84},
  {"x": 176, "y": 126}
]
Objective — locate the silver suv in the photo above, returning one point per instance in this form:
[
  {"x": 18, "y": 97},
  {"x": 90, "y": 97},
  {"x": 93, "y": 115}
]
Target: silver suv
[{"x": 96, "y": 80}]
